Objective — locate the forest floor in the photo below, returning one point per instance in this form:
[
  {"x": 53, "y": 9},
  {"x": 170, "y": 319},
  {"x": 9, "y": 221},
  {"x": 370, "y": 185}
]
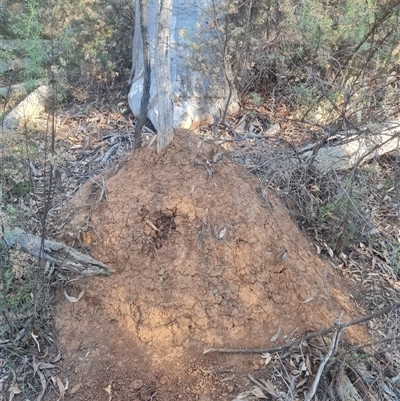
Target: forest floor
[
  {"x": 195, "y": 245},
  {"x": 205, "y": 255}
]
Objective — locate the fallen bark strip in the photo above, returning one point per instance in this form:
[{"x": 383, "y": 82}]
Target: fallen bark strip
[
  {"x": 15, "y": 65},
  {"x": 355, "y": 151},
  {"x": 313, "y": 334},
  {"x": 19, "y": 89},
  {"x": 56, "y": 252},
  {"x": 29, "y": 108}
]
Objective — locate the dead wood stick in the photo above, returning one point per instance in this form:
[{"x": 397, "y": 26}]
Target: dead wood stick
[
  {"x": 321, "y": 368},
  {"x": 28, "y": 108},
  {"x": 18, "y": 89},
  {"x": 110, "y": 152},
  {"x": 55, "y": 252},
  {"x": 313, "y": 334},
  {"x": 152, "y": 225},
  {"x": 260, "y": 384}
]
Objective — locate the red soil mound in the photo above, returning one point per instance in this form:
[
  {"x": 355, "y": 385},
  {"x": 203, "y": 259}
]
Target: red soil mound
[{"x": 196, "y": 244}]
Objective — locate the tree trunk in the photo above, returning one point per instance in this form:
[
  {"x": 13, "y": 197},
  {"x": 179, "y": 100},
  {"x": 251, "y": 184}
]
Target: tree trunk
[
  {"x": 56, "y": 252},
  {"x": 141, "y": 13},
  {"x": 163, "y": 76},
  {"x": 197, "y": 73}
]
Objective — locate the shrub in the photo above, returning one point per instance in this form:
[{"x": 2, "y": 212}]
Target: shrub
[{"x": 335, "y": 56}]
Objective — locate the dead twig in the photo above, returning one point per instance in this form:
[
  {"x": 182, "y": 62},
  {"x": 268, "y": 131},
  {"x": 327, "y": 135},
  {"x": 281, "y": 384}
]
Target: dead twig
[
  {"x": 148, "y": 222},
  {"x": 321, "y": 368},
  {"x": 55, "y": 252},
  {"x": 313, "y": 334},
  {"x": 110, "y": 152},
  {"x": 101, "y": 186},
  {"x": 103, "y": 190},
  {"x": 264, "y": 388}
]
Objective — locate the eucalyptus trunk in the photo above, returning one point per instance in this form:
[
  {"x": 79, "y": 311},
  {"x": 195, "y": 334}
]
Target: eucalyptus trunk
[{"x": 190, "y": 74}]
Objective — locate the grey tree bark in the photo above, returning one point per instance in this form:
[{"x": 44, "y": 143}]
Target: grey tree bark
[
  {"x": 197, "y": 73},
  {"x": 141, "y": 13},
  {"x": 163, "y": 76}
]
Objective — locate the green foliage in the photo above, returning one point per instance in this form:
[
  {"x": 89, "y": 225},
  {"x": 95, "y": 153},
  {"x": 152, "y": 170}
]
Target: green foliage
[
  {"x": 17, "y": 282},
  {"x": 26, "y": 29},
  {"x": 256, "y": 99},
  {"x": 92, "y": 37},
  {"x": 393, "y": 250},
  {"x": 326, "y": 212},
  {"x": 339, "y": 216},
  {"x": 320, "y": 56},
  {"x": 315, "y": 31},
  {"x": 304, "y": 95},
  {"x": 60, "y": 41},
  {"x": 15, "y": 180},
  {"x": 11, "y": 215},
  {"x": 18, "y": 292},
  {"x": 95, "y": 35}
]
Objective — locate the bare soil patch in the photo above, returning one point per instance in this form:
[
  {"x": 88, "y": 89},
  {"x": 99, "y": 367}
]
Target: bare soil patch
[{"x": 197, "y": 248}]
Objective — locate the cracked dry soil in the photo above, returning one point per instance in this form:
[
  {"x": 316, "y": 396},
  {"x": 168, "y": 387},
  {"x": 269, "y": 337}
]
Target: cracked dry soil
[{"x": 194, "y": 245}]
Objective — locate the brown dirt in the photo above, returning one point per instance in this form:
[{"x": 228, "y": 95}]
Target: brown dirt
[{"x": 194, "y": 244}]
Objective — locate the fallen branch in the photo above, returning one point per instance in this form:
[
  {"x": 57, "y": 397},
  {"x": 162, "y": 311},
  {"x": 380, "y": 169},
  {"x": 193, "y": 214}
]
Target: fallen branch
[
  {"x": 313, "y": 334},
  {"x": 28, "y": 109},
  {"x": 109, "y": 153},
  {"x": 19, "y": 89},
  {"x": 321, "y": 368},
  {"x": 56, "y": 252},
  {"x": 15, "y": 65},
  {"x": 264, "y": 388},
  {"x": 354, "y": 151}
]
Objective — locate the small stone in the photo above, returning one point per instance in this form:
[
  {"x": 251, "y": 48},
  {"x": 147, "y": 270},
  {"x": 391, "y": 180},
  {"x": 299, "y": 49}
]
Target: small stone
[
  {"x": 230, "y": 388},
  {"x": 218, "y": 299},
  {"x": 137, "y": 384}
]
